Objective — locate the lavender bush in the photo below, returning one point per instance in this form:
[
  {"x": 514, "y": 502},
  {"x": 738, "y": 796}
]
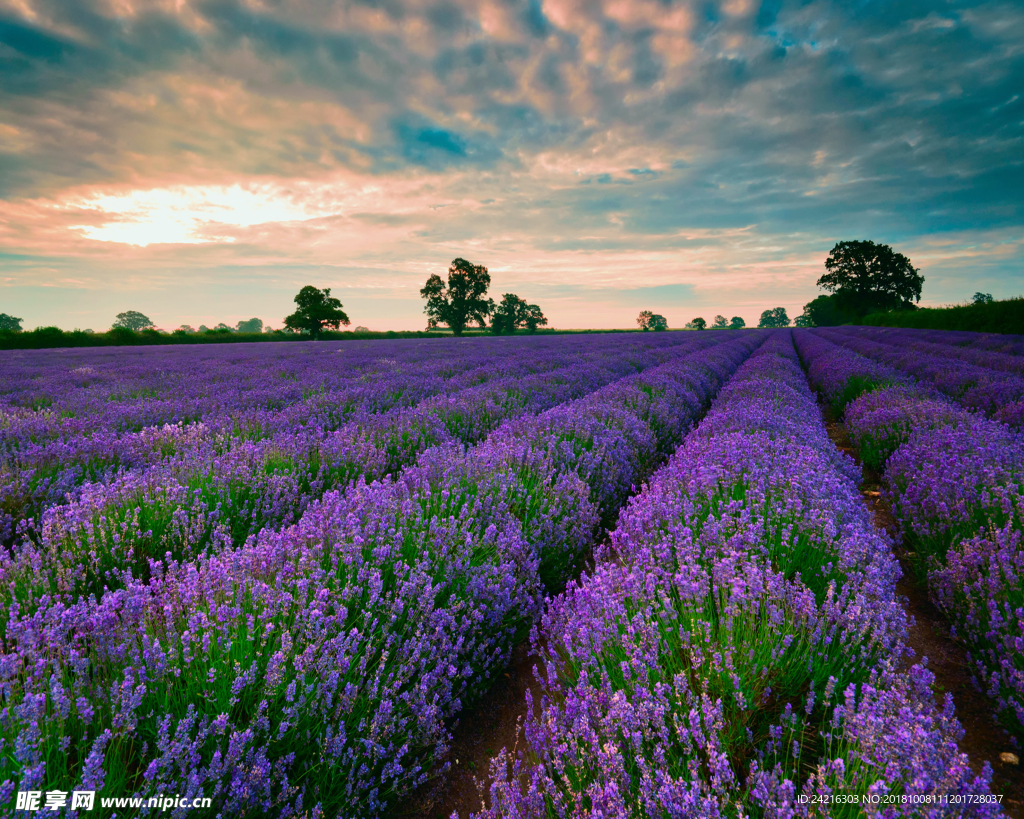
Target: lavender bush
[
  {"x": 999, "y": 395},
  {"x": 955, "y": 481},
  {"x": 737, "y": 646},
  {"x": 316, "y": 670}
]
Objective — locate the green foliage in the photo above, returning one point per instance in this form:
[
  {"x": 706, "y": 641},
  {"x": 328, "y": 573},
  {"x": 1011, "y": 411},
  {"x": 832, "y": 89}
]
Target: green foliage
[
  {"x": 825, "y": 311},
  {"x": 696, "y": 324},
  {"x": 317, "y": 311},
  {"x": 982, "y": 298},
  {"x": 10, "y": 323},
  {"x": 1006, "y": 316},
  {"x": 513, "y": 312},
  {"x": 651, "y": 321},
  {"x": 867, "y": 277},
  {"x": 720, "y": 323},
  {"x": 776, "y": 317},
  {"x": 253, "y": 325},
  {"x": 131, "y": 320},
  {"x": 462, "y": 301},
  {"x": 737, "y": 323}
]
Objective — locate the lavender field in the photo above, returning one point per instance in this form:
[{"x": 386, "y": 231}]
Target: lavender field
[{"x": 276, "y": 575}]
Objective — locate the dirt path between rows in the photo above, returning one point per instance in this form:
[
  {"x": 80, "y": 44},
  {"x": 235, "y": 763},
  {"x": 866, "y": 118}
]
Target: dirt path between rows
[
  {"x": 984, "y": 740},
  {"x": 492, "y": 724}
]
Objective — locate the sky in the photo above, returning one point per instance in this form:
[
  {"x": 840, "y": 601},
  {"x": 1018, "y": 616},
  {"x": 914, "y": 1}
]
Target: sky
[{"x": 201, "y": 160}]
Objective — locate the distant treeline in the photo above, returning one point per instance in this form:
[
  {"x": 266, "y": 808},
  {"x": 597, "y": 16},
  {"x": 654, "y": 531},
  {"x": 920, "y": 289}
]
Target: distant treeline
[
  {"x": 47, "y": 337},
  {"x": 994, "y": 317}
]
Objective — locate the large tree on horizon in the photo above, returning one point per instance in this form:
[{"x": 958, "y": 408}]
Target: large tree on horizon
[
  {"x": 318, "y": 309},
  {"x": 462, "y": 300},
  {"x": 651, "y": 321},
  {"x": 132, "y": 320},
  {"x": 776, "y": 317},
  {"x": 10, "y": 323},
  {"x": 866, "y": 277},
  {"x": 513, "y": 312}
]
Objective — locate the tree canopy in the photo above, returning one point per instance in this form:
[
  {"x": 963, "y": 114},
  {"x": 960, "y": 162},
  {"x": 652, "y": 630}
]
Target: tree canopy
[
  {"x": 696, "y": 324},
  {"x": 720, "y": 323},
  {"x": 11, "y": 323},
  {"x": 776, "y": 317},
  {"x": 513, "y": 313},
  {"x": 825, "y": 311},
  {"x": 318, "y": 309},
  {"x": 982, "y": 298},
  {"x": 868, "y": 278},
  {"x": 132, "y": 320},
  {"x": 253, "y": 325},
  {"x": 651, "y": 321},
  {"x": 462, "y": 301},
  {"x": 737, "y": 323}
]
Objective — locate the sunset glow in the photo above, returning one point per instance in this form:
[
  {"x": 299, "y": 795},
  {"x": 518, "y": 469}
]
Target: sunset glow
[{"x": 202, "y": 161}]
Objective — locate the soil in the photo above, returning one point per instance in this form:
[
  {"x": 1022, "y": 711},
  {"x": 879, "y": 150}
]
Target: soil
[
  {"x": 984, "y": 739},
  {"x": 481, "y": 734}
]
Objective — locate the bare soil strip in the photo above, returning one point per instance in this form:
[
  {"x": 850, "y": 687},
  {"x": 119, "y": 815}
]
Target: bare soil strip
[
  {"x": 984, "y": 740},
  {"x": 492, "y": 724}
]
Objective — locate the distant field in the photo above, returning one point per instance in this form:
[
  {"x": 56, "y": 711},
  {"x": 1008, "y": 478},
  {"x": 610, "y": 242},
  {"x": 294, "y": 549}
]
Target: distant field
[
  {"x": 50, "y": 337},
  {"x": 276, "y": 576}
]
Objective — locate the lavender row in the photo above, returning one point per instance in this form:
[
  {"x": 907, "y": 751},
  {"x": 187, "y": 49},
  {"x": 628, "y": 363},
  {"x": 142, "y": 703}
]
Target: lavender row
[
  {"x": 69, "y": 394},
  {"x": 956, "y": 484},
  {"x": 737, "y": 647},
  {"x": 48, "y": 453},
  {"x": 177, "y": 510},
  {"x": 999, "y": 343},
  {"x": 1000, "y": 395},
  {"x": 316, "y": 670},
  {"x": 38, "y": 470},
  {"x": 939, "y": 345}
]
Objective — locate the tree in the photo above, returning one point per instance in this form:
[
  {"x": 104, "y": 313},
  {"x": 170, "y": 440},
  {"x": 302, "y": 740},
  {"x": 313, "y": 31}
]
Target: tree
[
  {"x": 737, "y": 323},
  {"x": 185, "y": 329},
  {"x": 462, "y": 301},
  {"x": 534, "y": 318},
  {"x": 513, "y": 312},
  {"x": 10, "y": 323},
  {"x": 132, "y": 320},
  {"x": 696, "y": 324},
  {"x": 867, "y": 278},
  {"x": 825, "y": 311},
  {"x": 720, "y": 323},
  {"x": 253, "y": 325},
  {"x": 977, "y": 298},
  {"x": 651, "y": 321},
  {"x": 317, "y": 309},
  {"x": 804, "y": 319},
  {"x": 774, "y": 318}
]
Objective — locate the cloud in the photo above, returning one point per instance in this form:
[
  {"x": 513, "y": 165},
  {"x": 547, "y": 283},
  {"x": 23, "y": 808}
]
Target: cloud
[{"x": 397, "y": 134}]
